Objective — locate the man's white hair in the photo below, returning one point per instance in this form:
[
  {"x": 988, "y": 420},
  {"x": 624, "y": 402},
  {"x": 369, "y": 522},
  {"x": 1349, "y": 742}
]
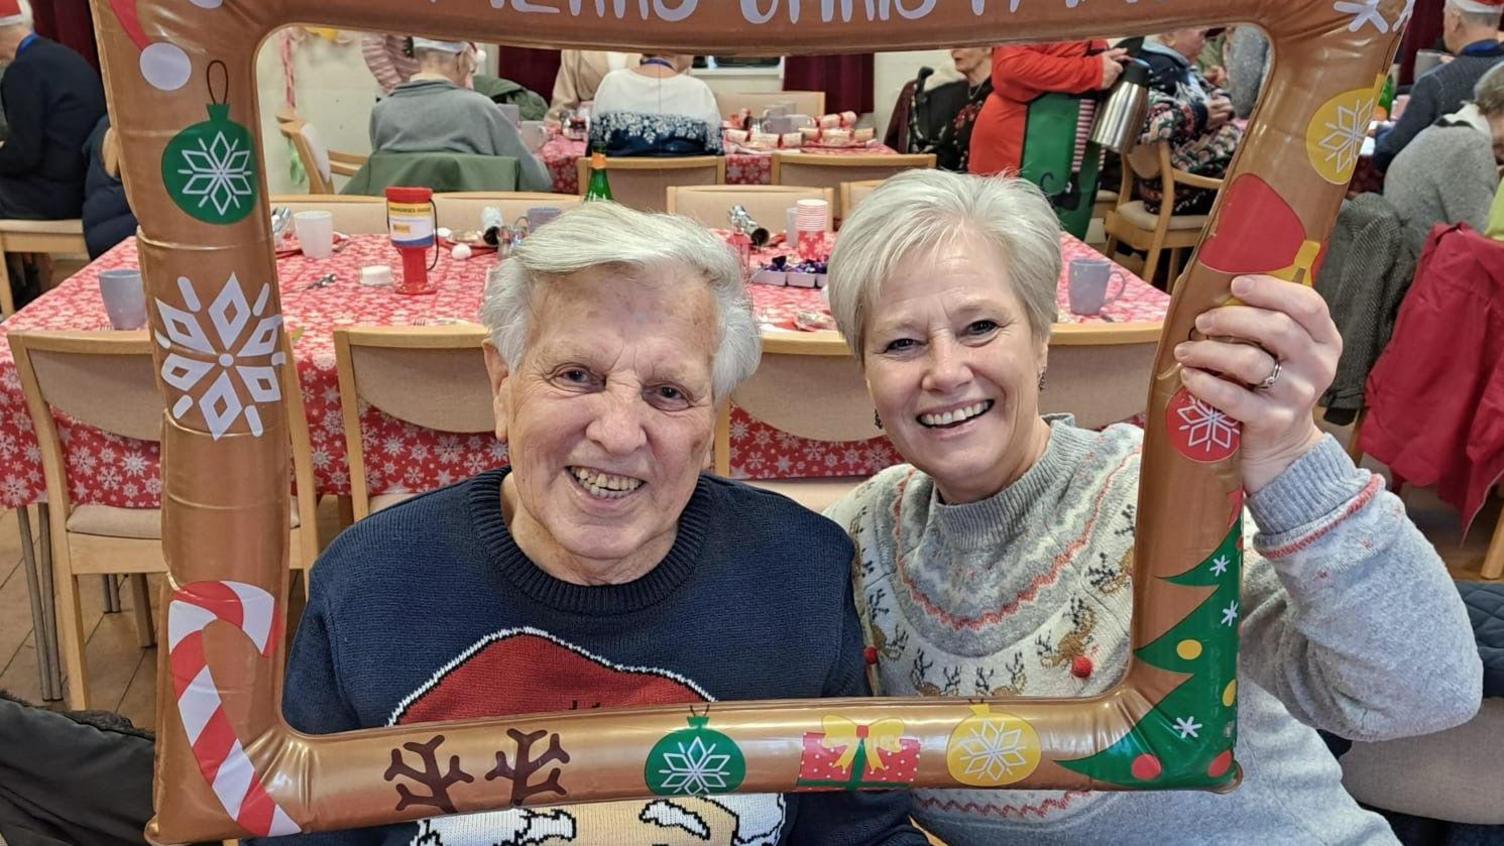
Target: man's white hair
[
  {"x": 612, "y": 235},
  {"x": 1475, "y": 13}
]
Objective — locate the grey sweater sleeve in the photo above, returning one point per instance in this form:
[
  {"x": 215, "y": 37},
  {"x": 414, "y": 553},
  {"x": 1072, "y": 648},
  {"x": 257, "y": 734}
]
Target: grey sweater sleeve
[
  {"x": 506, "y": 141},
  {"x": 1470, "y": 180},
  {"x": 1350, "y": 617},
  {"x": 1247, "y": 56}
]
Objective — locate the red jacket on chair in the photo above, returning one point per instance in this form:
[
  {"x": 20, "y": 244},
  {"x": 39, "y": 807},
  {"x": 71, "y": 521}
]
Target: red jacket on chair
[
  {"x": 1019, "y": 75},
  {"x": 1436, "y": 396}
]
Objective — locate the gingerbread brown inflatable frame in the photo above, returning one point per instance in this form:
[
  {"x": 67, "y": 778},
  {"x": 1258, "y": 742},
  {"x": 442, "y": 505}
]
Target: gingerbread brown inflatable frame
[{"x": 227, "y": 764}]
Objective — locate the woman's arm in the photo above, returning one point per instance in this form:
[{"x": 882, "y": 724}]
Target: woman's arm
[{"x": 1350, "y": 617}]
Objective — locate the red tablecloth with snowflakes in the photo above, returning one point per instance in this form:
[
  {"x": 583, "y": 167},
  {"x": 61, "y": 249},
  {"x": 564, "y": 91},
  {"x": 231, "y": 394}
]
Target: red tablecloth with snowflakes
[
  {"x": 560, "y": 154},
  {"x": 111, "y": 470}
]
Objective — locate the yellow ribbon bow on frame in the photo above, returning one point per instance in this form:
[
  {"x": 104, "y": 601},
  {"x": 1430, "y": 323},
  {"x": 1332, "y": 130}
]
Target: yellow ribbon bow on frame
[{"x": 843, "y": 734}]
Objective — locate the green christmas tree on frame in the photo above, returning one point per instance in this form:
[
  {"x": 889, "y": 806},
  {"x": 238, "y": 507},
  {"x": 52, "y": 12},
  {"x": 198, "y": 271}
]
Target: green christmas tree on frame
[{"x": 1187, "y": 739}]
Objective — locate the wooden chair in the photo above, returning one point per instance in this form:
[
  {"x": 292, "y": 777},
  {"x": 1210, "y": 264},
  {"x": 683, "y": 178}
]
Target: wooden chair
[
  {"x": 319, "y": 162},
  {"x": 643, "y": 183},
  {"x": 853, "y": 193},
  {"x": 52, "y": 237},
  {"x": 1130, "y": 223},
  {"x": 429, "y": 376},
  {"x": 352, "y": 215},
  {"x": 810, "y": 103},
  {"x": 1100, "y": 372},
  {"x": 461, "y": 209},
  {"x": 107, "y": 380},
  {"x": 826, "y": 170},
  {"x": 810, "y": 386},
  {"x": 767, "y": 204}
]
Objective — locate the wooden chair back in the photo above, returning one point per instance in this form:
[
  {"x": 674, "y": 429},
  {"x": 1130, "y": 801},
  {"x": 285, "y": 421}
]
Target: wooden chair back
[
  {"x": 853, "y": 193},
  {"x": 461, "y": 210},
  {"x": 766, "y": 204},
  {"x": 826, "y": 170},
  {"x": 1100, "y": 373},
  {"x": 430, "y": 376},
  {"x": 810, "y": 103},
  {"x": 352, "y": 215},
  {"x": 643, "y": 183}
]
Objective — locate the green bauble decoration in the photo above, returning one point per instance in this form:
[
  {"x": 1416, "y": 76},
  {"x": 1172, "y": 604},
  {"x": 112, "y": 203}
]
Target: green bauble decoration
[
  {"x": 210, "y": 170},
  {"x": 695, "y": 761}
]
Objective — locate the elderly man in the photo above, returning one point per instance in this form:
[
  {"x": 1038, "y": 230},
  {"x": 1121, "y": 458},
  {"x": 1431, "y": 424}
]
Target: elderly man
[
  {"x": 1470, "y": 30},
  {"x": 602, "y": 570},
  {"x": 436, "y": 112},
  {"x": 52, "y": 100},
  {"x": 1192, "y": 115}
]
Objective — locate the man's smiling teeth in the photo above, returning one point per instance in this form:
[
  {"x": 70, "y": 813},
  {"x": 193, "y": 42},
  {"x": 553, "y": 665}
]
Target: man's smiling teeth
[
  {"x": 605, "y": 484},
  {"x": 959, "y": 415}
]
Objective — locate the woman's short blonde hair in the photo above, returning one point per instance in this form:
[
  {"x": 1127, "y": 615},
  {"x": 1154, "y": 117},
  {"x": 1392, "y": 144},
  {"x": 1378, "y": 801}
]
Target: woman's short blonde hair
[{"x": 920, "y": 210}]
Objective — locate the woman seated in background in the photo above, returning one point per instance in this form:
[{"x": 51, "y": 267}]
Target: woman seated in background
[
  {"x": 939, "y": 118},
  {"x": 1010, "y": 532},
  {"x": 655, "y": 108},
  {"x": 581, "y": 72},
  {"x": 1450, "y": 172}
]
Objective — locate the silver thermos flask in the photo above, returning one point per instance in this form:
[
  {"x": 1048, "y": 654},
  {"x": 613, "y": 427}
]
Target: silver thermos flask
[{"x": 1121, "y": 118}]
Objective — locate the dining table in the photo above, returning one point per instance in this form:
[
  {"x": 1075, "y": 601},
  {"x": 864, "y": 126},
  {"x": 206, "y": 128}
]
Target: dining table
[
  {"x": 109, "y": 469},
  {"x": 743, "y": 166}
]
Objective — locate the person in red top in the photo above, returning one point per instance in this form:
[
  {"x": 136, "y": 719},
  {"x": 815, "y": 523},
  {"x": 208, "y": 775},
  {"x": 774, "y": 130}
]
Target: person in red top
[{"x": 1021, "y": 74}]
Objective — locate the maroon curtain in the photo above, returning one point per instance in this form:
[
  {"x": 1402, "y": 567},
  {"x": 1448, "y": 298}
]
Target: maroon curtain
[
  {"x": 67, "y": 22},
  {"x": 532, "y": 69},
  {"x": 1420, "y": 34},
  {"x": 846, "y": 80}
]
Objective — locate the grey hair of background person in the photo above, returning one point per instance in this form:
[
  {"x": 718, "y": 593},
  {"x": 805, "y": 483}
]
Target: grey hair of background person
[
  {"x": 612, "y": 235},
  {"x": 917, "y": 212},
  {"x": 1488, "y": 93},
  {"x": 1478, "y": 19}
]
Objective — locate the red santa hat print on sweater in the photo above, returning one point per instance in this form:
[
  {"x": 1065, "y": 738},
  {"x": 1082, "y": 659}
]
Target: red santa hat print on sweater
[{"x": 13, "y": 12}]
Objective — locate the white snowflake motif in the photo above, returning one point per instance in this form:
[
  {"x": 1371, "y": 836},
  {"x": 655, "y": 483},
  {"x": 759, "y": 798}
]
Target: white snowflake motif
[
  {"x": 131, "y": 490},
  {"x": 991, "y": 751},
  {"x": 134, "y": 464},
  {"x": 1207, "y": 428},
  {"x": 15, "y": 489},
  {"x": 697, "y": 770},
  {"x": 1220, "y": 565},
  {"x": 739, "y": 430},
  {"x": 1364, "y": 12},
  {"x": 392, "y": 446},
  {"x": 154, "y": 487},
  {"x": 253, "y": 360},
  {"x": 1345, "y": 136},
  {"x": 1405, "y": 15},
  {"x": 1230, "y": 614},
  {"x": 320, "y": 458},
  {"x": 218, "y": 172},
  {"x": 1187, "y": 726}
]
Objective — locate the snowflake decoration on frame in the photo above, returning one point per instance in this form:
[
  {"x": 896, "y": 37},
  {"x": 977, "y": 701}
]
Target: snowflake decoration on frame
[
  {"x": 219, "y": 172},
  {"x": 1345, "y": 134},
  {"x": 1364, "y": 13},
  {"x": 234, "y": 359},
  {"x": 992, "y": 751},
  {"x": 1198, "y": 431},
  {"x": 696, "y": 769}
]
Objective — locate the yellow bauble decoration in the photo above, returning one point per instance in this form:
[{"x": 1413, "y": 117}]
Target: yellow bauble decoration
[{"x": 992, "y": 749}]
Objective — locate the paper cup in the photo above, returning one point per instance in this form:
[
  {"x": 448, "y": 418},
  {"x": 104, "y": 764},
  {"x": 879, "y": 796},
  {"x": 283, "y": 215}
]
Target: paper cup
[
  {"x": 813, "y": 215},
  {"x": 124, "y": 298},
  {"x": 315, "y": 233}
]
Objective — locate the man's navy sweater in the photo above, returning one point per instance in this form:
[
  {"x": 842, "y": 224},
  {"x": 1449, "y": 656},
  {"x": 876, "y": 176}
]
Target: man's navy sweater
[
  {"x": 52, "y": 101},
  {"x": 429, "y": 611}
]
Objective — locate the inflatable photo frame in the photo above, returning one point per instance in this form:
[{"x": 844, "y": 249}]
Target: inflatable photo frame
[{"x": 181, "y": 79}]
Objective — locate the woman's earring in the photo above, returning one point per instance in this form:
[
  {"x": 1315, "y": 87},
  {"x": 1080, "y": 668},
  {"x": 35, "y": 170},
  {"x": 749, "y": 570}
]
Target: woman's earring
[
  {"x": 1041, "y": 380},
  {"x": 876, "y": 420}
]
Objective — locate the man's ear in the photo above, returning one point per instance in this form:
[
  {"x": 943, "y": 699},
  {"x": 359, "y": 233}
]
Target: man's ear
[{"x": 501, "y": 388}]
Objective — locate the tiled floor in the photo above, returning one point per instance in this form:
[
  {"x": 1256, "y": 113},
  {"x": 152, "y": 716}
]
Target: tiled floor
[{"x": 123, "y": 675}]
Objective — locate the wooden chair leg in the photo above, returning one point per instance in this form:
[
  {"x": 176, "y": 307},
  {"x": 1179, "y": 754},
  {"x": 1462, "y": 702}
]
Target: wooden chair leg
[
  {"x": 1354, "y": 450},
  {"x": 1493, "y": 560},
  {"x": 146, "y": 628},
  {"x": 70, "y": 618},
  {"x": 346, "y": 511},
  {"x": 7, "y": 299},
  {"x": 1151, "y": 260}
]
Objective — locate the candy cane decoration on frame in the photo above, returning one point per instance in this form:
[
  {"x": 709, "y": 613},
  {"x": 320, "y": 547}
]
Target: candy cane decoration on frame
[{"x": 221, "y": 757}]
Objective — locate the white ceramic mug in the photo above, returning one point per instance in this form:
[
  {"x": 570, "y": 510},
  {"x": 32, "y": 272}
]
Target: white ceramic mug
[
  {"x": 534, "y": 135},
  {"x": 315, "y": 232},
  {"x": 124, "y": 298},
  {"x": 1088, "y": 283}
]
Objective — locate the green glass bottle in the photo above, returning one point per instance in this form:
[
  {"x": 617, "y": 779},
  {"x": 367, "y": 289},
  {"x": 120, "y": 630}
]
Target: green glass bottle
[
  {"x": 599, "y": 187},
  {"x": 1386, "y": 97}
]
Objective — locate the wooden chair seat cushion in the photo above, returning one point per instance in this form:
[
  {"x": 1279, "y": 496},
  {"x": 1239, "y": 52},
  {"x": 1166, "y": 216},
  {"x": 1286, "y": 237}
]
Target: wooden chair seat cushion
[
  {"x": 1136, "y": 214},
  {"x": 1451, "y": 775},
  {"x": 142, "y": 523}
]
